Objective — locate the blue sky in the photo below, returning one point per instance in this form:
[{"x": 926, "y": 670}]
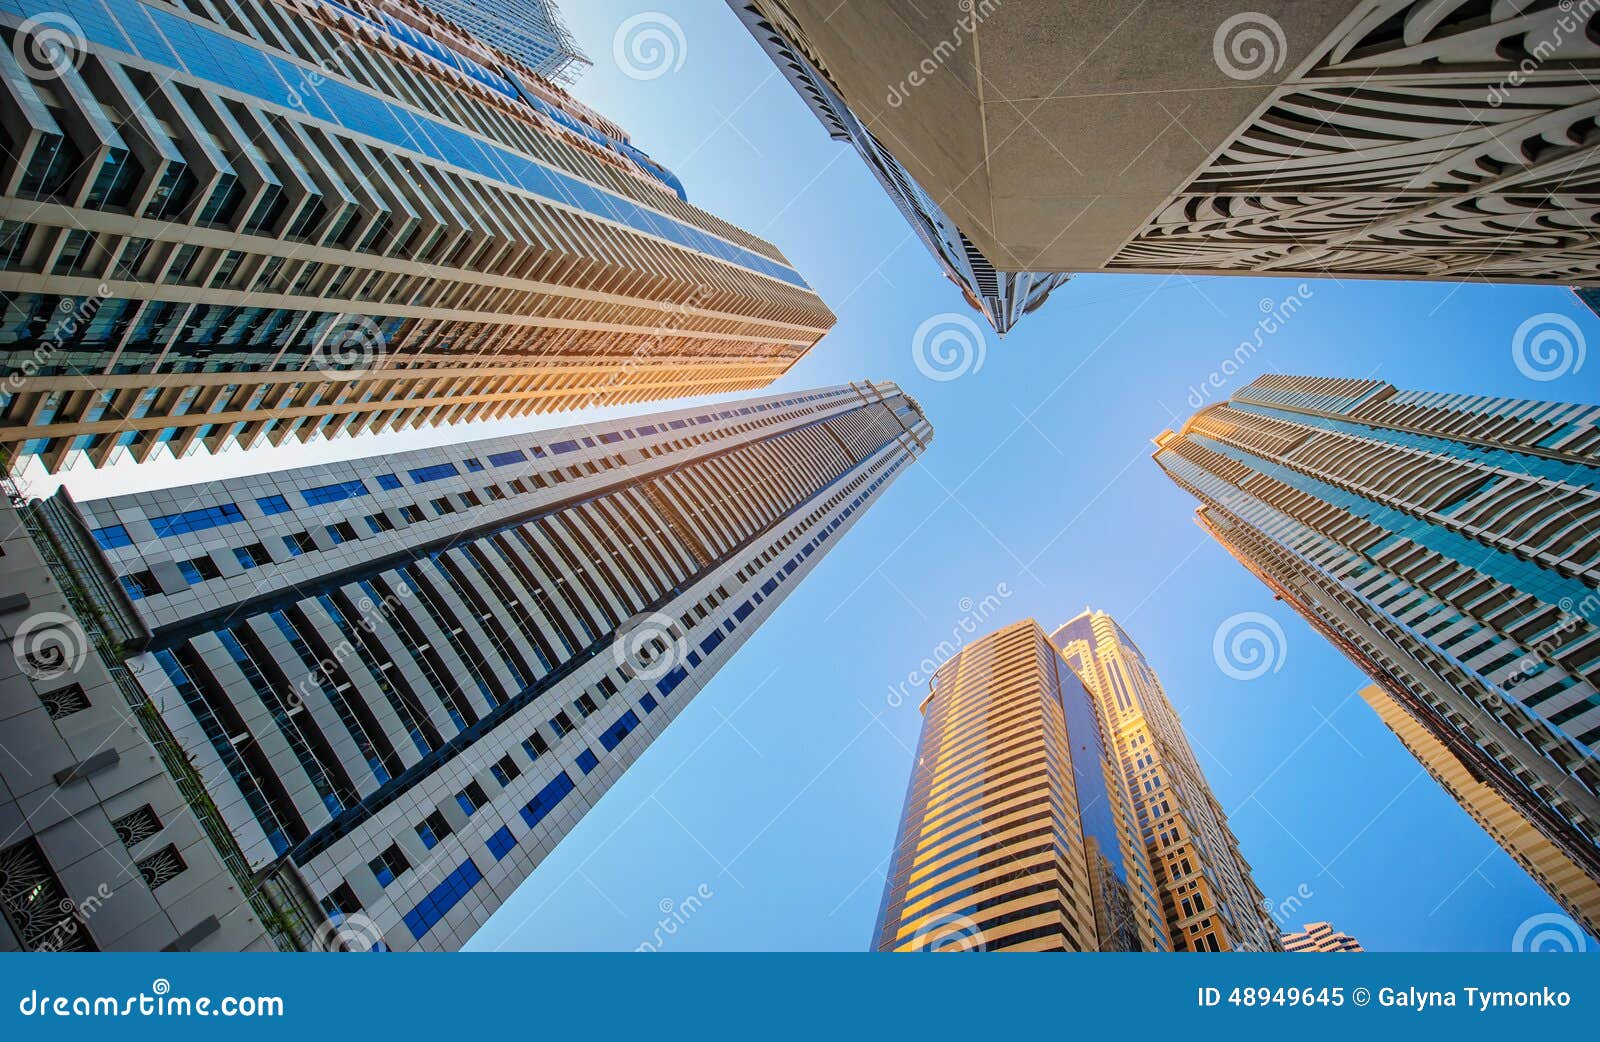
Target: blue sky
[{"x": 777, "y": 791}]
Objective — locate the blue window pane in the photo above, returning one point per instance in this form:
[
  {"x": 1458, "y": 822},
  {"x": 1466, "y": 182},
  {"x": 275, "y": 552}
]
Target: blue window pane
[
  {"x": 466, "y": 804},
  {"x": 191, "y": 574},
  {"x": 273, "y": 505},
  {"x": 564, "y": 446},
  {"x": 422, "y": 475},
  {"x": 426, "y": 915},
  {"x": 648, "y": 703},
  {"x": 614, "y": 735},
  {"x": 242, "y": 555},
  {"x": 134, "y": 589},
  {"x": 547, "y": 799},
  {"x": 501, "y": 843},
  {"x": 588, "y": 761},
  {"x": 316, "y": 497},
  {"x": 473, "y": 466},
  {"x": 388, "y": 481},
  {"x": 293, "y": 547},
  {"x": 500, "y": 459},
  {"x": 196, "y": 520},
  {"x": 112, "y": 536}
]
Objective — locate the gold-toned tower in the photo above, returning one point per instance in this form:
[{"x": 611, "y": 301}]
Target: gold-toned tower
[
  {"x": 1209, "y": 899},
  {"x": 1016, "y": 834}
]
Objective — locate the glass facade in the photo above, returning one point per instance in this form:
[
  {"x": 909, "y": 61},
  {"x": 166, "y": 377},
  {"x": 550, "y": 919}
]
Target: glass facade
[
  {"x": 458, "y": 663},
  {"x": 1015, "y": 834},
  {"x": 1446, "y": 543},
  {"x": 344, "y": 224},
  {"x": 1201, "y": 892}
]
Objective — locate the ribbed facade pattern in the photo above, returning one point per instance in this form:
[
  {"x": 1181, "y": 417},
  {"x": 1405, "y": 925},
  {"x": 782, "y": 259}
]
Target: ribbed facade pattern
[
  {"x": 1564, "y": 879},
  {"x": 1207, "y": 896},
  {"x": 410, "y": 674},
  {"x": 1448, "y": 544},
  {"x": 1013, "y": 836},
  {"x": 269, "y": 219}
]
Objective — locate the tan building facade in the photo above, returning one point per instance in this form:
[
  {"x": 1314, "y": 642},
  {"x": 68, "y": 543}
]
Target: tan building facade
[
  {"x": 1016, "y": 833},
  {"x": 1320, "y": 937},
  {"x": 277, "y": 219},
  {"x": 1401, "y": 139},
  {"x": 1550, "y": 867},
  {"x": 1207, "y": 895}
]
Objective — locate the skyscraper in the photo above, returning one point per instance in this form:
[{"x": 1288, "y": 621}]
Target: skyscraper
[
  {"x": 1320, "y": 937},
  {"x": 1202, "y": 881},
  {"x": 995, "y": 288},
  {"x": 405, "y": 678},
  {"x": 1447, "y": 544},
  {"x": 1558, "y": 873},
  {"x": 1350, "y": 138},
  {"x": 531, "y": 31},
  {"x": 251, "y": 222},
  {"x": 1017, "y": 833}
]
